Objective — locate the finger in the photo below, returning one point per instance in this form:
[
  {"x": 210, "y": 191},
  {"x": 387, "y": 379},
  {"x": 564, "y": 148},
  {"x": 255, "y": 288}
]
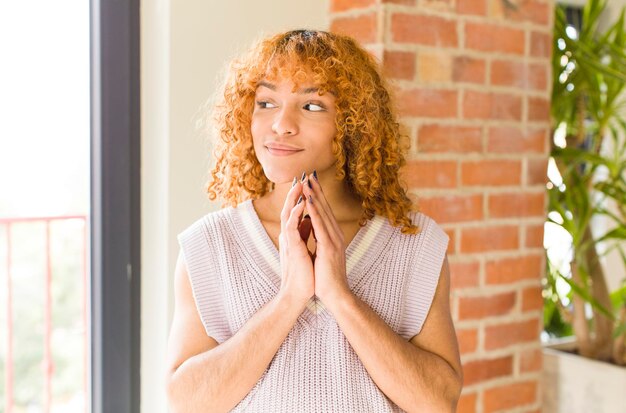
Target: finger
[
  {"x": 290, "y": 202},
  {"x": 324, "y": 211},
  {"x": 291, "y": 224},
  {"x": 322, "y": 236},
  {"x": 325, "y": 208}
]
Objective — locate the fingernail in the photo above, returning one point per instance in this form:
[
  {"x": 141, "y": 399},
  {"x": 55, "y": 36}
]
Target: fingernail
[
  {"x": 308, "y": 181},
  {"x": 295, "y": 181},
  {"x": 310, "y": 199},
  {"x": 299, "y": 200},
  {"x": 315, "y": 175},
  {"x": 303, "y": 177}
]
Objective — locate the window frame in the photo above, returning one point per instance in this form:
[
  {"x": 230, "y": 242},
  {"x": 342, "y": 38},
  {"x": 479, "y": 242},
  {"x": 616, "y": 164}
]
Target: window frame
[{"x": 115, "y": 206}]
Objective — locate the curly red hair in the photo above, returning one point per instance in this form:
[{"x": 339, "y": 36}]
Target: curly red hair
[{"x": 369, "y": 146}]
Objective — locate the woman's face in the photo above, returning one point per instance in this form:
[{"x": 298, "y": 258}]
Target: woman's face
[{"x": 293, "y": 131}]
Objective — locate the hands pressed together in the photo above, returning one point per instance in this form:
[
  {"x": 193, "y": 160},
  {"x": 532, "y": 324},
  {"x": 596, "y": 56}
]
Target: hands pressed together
[{"x": 322, "y": 272}]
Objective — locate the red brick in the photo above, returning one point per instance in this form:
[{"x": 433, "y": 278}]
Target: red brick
[
  {"x": 538, "y": 109},
  {"x": 342, "y": 5},
  {"x": 541, "y": 44},
  {"x": 531, "y": 360},
  {"x": 467, "y": 403},
  {"x": 399, "y": 65},
  {"x": 534, "y": 236},
  {"x": 530, "y": 11},
  {"x": 515, "y": 140},
  {"x": 489, "y": 238},
  {"x": 471, "y": 308},
  {"x": 477, "y": 105},
  {"x": 494, "y": 38},
  {"x": 362, "y": 28},
  {"x": 403, "y": 2},
  {"x": 518, "y": 74},
  {"x": 532, "y": 300},
  {"x": 506, "y": 107},
  {"x": 537, "y": 173},
  {"x": 511, "y": 270},
  {"x": 430, "y": 174},
  {"x": 449, "y": 139},
  {"x": 510, "y": 396},
  {"x": 475, "y": 7},
  {"x": 464, "y": 274},
  {"x": 491, "y": 172},
  {"x": 426, "y": 30},
  {"x": 468, "y": 340},
  {"x": 434, "y": 66},
  {"x": 484, "y": 105},
  {"x": 509, "y": 73},
  {"x": 483, "y": 370},
  {"x": 435, "y": 103},
  {"x": 468, "y": 69},
  {"x": 508, "y": 334},
  {"x": 538, "y": 76},
  {"x": 453, "y": 208},
  {"x": 519, "y": 204}
]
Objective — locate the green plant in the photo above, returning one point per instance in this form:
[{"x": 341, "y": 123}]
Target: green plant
[{"x": 589, "y": 77}]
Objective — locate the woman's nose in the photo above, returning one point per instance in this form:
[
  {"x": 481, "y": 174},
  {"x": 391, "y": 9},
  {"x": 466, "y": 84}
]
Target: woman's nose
[{"x": 285, "y": 122}]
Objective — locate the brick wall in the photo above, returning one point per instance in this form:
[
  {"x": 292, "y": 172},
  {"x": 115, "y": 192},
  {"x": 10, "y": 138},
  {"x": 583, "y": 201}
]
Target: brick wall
[{"x": 472, "y": 80}]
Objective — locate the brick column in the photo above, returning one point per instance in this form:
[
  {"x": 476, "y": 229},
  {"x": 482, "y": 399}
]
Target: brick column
[{"x": 472, "y": 79}]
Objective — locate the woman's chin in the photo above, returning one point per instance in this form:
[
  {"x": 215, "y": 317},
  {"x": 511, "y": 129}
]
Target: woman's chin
[{"x": 280, "y": 178}]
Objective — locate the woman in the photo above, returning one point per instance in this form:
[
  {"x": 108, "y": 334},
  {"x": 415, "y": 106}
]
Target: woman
[{"x": 307, "y": 294}]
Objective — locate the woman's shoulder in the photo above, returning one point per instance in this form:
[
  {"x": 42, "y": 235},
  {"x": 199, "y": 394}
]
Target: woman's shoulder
[
  {"x": 424, "y": 222},
  {"x": 428, "y": 230},
  {"x": 213, "y": 220}
]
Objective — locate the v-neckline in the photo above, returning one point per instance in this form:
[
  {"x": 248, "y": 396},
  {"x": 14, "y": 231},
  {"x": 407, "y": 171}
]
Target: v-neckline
[
  {"x": 259, "y": 228},
  {"x": 255, "y": 215},
  {"x": 358, "y": 252}
]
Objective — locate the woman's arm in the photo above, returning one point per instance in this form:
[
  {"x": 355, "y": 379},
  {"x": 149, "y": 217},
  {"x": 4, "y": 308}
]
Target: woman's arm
[
  {"x": 206, "y": 377},
  {"x": 420, "y": 375}
]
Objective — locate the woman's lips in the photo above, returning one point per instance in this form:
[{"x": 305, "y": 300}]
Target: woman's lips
[{"x": 282, "y": 152}]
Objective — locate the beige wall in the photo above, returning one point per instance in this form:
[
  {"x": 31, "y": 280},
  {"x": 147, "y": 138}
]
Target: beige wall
[{"x": 184, "y": 46}]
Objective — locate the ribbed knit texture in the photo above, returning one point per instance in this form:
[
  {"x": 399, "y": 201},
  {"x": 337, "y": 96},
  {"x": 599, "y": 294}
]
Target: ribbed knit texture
[{"x": 234, "y": 269}]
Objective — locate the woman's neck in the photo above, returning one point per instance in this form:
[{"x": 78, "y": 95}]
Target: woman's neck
[{"x": 346, "y": 206}]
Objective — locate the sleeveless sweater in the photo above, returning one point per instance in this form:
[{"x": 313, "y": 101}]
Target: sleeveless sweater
[{"x": 234, "y": 270}]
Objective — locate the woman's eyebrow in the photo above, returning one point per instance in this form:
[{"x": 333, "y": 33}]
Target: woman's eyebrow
[{"x": 304, "y": 91}]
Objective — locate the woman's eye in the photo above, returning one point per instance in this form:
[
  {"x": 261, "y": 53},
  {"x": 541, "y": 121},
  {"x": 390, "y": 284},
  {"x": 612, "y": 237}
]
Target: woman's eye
[
  {"x": 313, "y": 107},
  {"x": 264, "y": 104}
]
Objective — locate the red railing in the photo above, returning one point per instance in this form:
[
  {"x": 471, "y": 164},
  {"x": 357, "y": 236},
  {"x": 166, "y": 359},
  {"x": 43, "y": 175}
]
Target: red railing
[{"x": 47, "y": 362}]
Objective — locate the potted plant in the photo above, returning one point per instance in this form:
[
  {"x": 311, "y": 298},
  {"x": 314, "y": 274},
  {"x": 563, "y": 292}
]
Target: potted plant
[{"x": 587, "y": 181}]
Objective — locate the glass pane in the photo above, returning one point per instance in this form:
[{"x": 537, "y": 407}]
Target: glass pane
[{"x": 44, "y": 206}]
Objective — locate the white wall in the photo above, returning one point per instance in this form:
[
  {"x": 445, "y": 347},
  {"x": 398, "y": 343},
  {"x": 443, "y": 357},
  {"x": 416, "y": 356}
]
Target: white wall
[{"x": 184, "y": 47}]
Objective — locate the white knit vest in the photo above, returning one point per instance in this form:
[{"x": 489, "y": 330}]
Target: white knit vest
[{"x": 234, "y": 269}]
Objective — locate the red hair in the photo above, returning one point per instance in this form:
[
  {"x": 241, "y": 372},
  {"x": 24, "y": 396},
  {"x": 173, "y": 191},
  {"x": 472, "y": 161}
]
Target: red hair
[{"x": 369, "y": 146}]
